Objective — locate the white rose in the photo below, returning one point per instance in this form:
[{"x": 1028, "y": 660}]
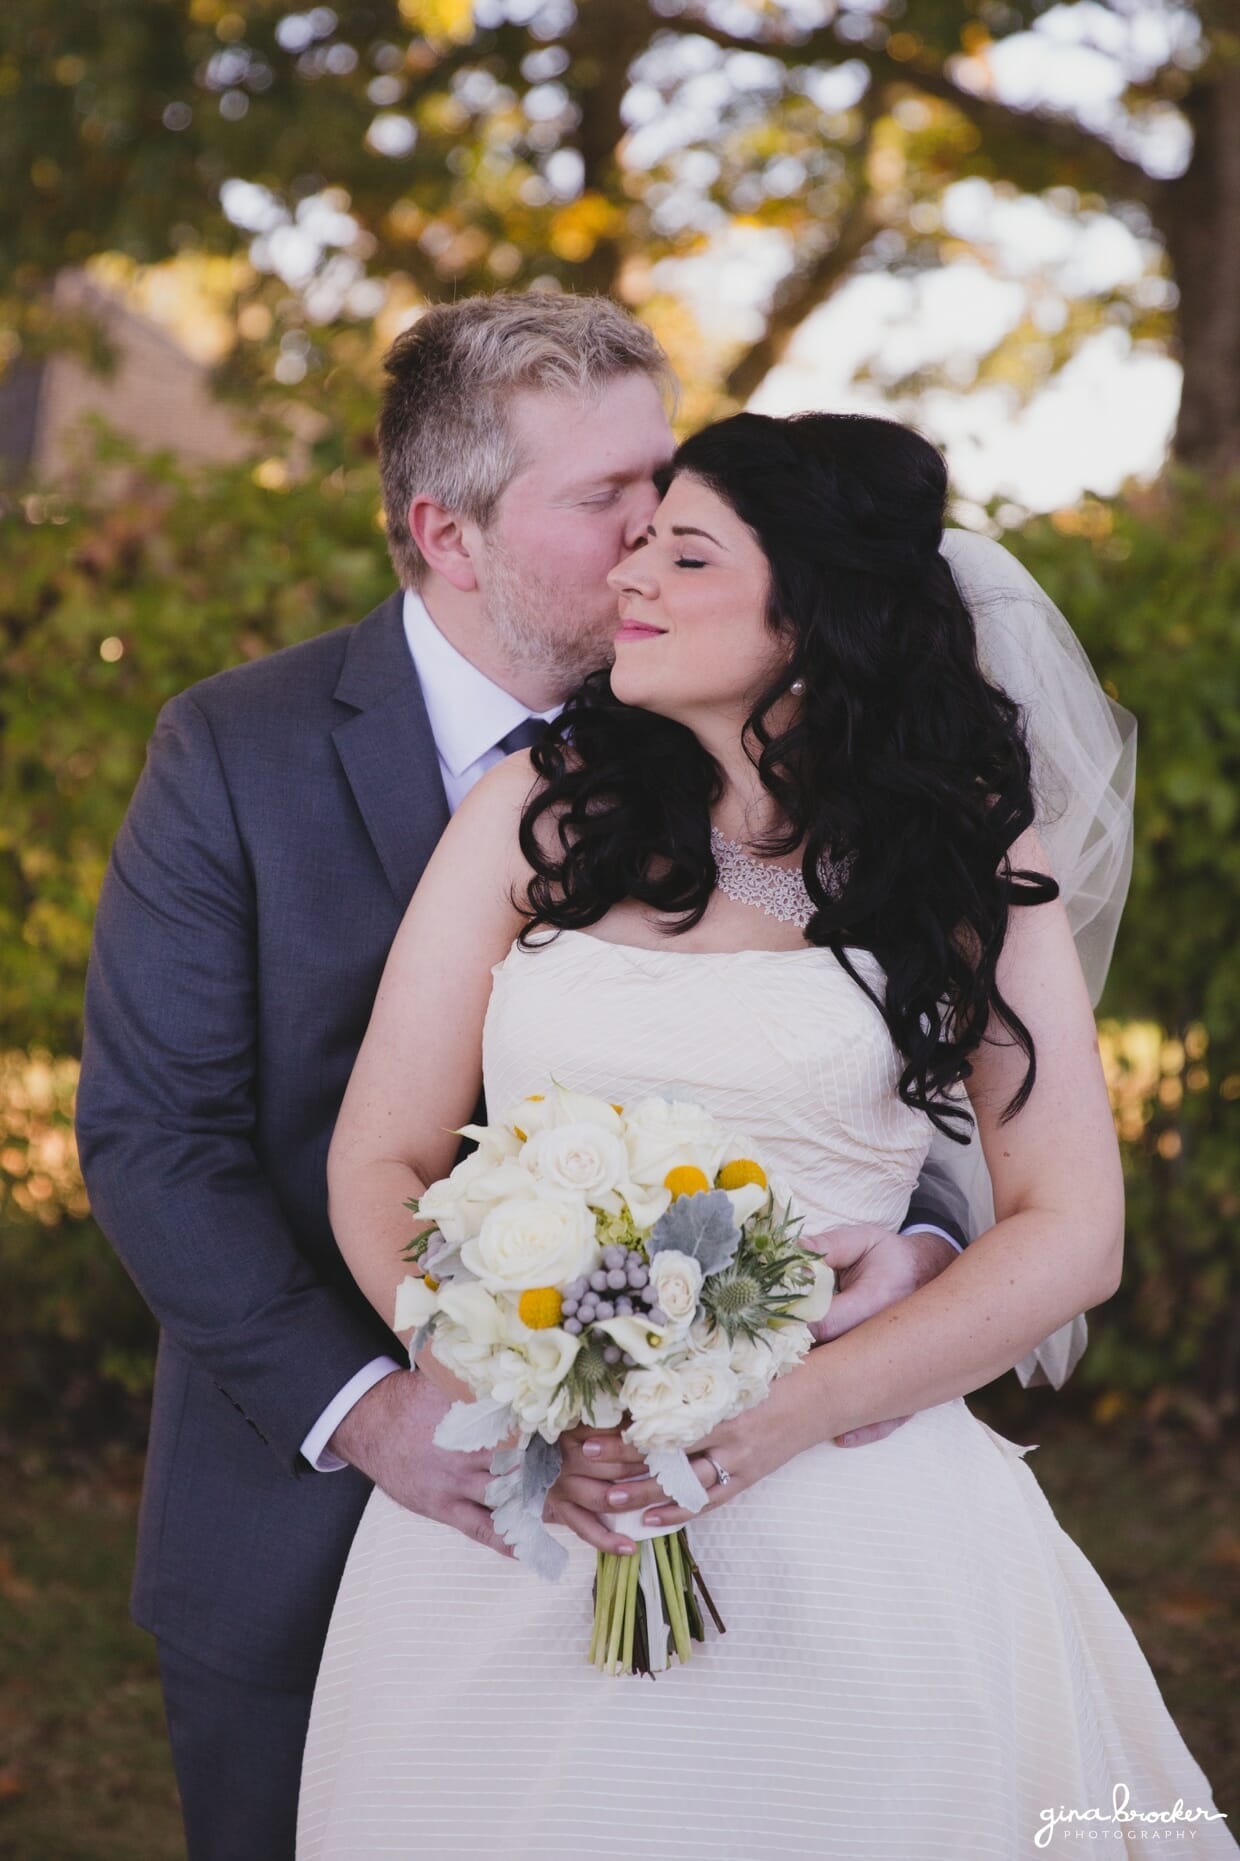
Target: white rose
[
  {"x": 652, "y": 1397},
  {"x": 673, "y": 1405},
  {"x": 789, "y": 1343},
  {"x": 815, "y": 1302},
  {"x": 664, "y": 1134},
  {"x": 474, "y": 1328},
  {"x": 415, "y": 1303},
  {"x": 530, "y": 1378},
  {"x": 677, "y": 1282},
  {"x": 581, "y": 1157},
  {"x": 476, "y": 1311},
  {"x": 754, "y": 1365},
  {"x": 526, "y": 1243},
  {"x": 446, "y": 1202}
]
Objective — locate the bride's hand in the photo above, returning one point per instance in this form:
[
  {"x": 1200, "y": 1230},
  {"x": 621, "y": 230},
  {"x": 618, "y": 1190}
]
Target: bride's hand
[
  {"x": 592, "y": 1461},
  {"x": 748, "y": 1447}
]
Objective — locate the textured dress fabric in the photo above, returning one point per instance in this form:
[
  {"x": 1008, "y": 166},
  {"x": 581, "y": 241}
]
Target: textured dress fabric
[{"x": 918, "y": 1661}]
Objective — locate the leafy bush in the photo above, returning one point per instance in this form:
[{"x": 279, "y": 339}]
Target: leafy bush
[{"x": 1153, "y": 591}]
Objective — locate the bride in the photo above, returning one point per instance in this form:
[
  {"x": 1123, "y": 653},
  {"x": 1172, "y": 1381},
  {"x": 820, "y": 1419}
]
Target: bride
[{"x": 789, "y": 860}]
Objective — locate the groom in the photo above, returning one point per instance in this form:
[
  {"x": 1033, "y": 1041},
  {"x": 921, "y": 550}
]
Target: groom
[{"x": 285, "y": 815}]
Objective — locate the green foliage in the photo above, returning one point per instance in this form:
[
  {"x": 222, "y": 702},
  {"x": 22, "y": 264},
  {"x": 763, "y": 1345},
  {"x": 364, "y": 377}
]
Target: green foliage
[
  {"x": 1154, "y": 593},
  {"x": 145, "y": 580}
]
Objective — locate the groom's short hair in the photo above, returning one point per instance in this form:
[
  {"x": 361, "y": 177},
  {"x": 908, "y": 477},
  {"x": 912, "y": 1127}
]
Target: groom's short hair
[{"x": 444, "y": 428}]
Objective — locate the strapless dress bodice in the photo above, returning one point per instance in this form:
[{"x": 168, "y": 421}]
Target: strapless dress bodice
[{"x": 782, "y": 1046}]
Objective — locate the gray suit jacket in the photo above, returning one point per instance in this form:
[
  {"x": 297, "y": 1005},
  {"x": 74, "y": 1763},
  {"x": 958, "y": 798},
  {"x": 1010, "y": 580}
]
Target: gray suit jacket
[
  {"x": 284, "y": 817},
  {"x": 285, "y": 814}
]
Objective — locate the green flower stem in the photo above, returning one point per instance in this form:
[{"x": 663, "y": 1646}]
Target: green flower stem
[
  {"x": 618, "y": 1610},
  {"x": 675, "y": 1603},
  {"x": 630, "y": 1612},
  {"x": 605, "y": 1589}
]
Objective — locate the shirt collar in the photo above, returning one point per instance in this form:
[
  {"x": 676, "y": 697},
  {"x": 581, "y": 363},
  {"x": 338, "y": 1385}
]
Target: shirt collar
[{"x": 468, "y": 711}]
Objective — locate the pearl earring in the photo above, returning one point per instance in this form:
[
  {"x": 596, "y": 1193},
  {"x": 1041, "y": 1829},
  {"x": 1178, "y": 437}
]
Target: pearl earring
[{"x": 797, "y": 687}]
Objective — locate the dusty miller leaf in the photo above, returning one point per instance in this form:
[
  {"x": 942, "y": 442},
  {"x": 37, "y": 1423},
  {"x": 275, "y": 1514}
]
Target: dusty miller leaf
[
  {"x": 702, "y": 1226},
  {"x": 470, "y": 1425},
  {"x": 521, "y": 1479}
]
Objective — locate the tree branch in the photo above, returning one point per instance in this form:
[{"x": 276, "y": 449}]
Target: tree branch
[
  {"x": 1109, "y": 171},
  {"x": 802, "y": 292}
]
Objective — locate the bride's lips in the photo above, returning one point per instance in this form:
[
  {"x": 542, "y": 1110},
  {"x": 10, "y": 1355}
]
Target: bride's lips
[{"x": 637, "y": 630}]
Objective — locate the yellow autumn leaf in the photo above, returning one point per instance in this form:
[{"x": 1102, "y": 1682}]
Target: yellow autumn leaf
[
  {"x": 440, "y": 19},
  {"x": 578, "y": 227}
]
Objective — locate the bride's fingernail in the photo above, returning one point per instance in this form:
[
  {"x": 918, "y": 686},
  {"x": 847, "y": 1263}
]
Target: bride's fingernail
[
  {"x": 653, "y": 1518},
  {"x": 592, "y": 1449},
  {"x": 624, "y": 1548},
  {"x": 618, "y": 1498}
]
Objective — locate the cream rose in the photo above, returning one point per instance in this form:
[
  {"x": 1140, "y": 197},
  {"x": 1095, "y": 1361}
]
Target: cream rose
[
  {"x": 677, "y": 1282},
  {"x": 663, "y": 1134},
  {"x": 673, "y": 1405},
  {"x": 474, "y": 1326},
  {"x": 525, "y": 1243},
  {"x": 581, "y": 1158},
  {"x": 753, "y": 1365},
  {"x": 530, "y": 1377},
  {"x": 447, "y": 1203}
]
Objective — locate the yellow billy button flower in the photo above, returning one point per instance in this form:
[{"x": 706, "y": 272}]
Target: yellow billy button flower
[
  {"x": 738, "y": 1174},
  {"x": 685, "y": 1179},
  {"x": 540, "y": 1308}
]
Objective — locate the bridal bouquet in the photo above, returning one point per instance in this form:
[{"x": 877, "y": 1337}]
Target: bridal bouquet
[{"x": 631, "y": 1269}]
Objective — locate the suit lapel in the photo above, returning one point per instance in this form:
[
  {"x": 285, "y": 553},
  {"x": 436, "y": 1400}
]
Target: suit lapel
[{"x": 387, "y": 749}]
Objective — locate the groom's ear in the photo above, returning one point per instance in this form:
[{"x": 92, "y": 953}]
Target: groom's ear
[{"x": 441, "y": 537}]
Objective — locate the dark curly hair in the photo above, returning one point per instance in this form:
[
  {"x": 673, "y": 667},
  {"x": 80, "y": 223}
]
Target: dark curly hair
[{"x": 904, "y": 771}]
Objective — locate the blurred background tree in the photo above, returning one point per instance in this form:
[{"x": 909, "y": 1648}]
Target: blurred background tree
[
  {"x": 423, "y": 148},
  {"x": 286, "y": 188}
]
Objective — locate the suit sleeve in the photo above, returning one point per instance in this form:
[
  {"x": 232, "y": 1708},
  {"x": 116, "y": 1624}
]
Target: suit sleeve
[
  {"x": 938, "y": 1201},
  {"x": 167, "y": 1101}
]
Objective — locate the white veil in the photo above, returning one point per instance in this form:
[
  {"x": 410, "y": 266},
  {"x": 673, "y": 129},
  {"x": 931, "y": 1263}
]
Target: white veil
[{"x": 1083, "y": 747}]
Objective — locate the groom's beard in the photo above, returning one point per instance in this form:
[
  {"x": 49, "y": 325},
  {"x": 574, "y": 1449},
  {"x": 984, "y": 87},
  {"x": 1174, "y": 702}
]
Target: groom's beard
[{"x": 543, "y": 628}]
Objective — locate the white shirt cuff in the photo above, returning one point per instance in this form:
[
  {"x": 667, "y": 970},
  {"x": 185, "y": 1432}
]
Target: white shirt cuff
[
  {"x": 314, "y": 1447},
  {"x": 928, "y": 1227}
]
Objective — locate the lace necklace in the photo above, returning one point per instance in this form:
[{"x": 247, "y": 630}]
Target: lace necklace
[{"x": 778, "y": 890}]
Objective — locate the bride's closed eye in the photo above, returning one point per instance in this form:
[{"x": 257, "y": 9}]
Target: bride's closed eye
[{"x": 689, "y": 562}]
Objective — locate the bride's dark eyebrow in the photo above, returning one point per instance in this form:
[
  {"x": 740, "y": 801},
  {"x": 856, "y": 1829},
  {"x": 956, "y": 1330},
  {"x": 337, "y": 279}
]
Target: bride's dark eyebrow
[{"x": 685, "y": 529}]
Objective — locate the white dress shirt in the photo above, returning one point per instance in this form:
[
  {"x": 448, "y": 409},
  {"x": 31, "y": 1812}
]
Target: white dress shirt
[{"x": 468, "y": 713}]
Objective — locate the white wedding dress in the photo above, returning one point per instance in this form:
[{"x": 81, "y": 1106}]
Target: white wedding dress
[{"x": 918, "y": 1662}]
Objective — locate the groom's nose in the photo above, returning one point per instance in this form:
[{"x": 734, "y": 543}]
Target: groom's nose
[{"x": 642, "y": 507}]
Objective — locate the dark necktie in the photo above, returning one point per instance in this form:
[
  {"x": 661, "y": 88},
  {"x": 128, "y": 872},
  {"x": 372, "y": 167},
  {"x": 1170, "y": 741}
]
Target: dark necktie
[{"x": 529, "y": 731}]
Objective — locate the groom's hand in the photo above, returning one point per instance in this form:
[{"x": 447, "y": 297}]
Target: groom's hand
[
  {"x": 874, "y": 1268},
  {"x": 387, "y": 1436}
]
